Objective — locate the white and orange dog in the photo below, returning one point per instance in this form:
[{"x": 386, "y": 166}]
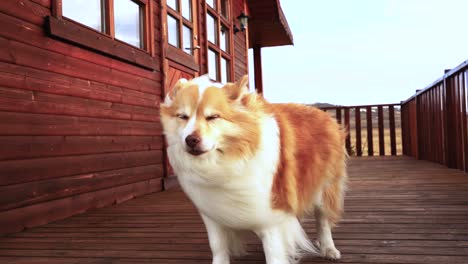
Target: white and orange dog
[{"x": 250, "y": 165}]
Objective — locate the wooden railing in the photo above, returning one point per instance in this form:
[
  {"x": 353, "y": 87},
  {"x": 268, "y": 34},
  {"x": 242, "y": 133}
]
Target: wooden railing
[
  {"x": 434, "y": 121},
  {"x": 370, "y": 128}
]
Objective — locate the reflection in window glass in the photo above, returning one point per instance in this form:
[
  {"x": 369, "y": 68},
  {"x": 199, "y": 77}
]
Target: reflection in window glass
[
  {"x": 211, "y": 3},
  {"x": 187, "y": 9},
  {"x": 224, "y": 39},
  {"x": 211, "y": 28},
  {"x": 212, "y": 65},
  {"x": 86, "y": 12},
  {"x": 187, "y": 39},
  {"x": 224, "y": 70},
  {"x": 173, "y": 4},
  {"x": 172, "y": 31},
  {"x": 127, "y": 22},
  {"x": 224, "y": 8}
]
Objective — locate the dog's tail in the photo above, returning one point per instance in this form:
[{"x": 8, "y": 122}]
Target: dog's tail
[{"x": 296, "y": 240}]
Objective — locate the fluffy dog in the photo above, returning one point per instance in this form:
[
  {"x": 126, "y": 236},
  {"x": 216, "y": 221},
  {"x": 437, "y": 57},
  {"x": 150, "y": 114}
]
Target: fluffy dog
[{"x": 250, "y": 165}]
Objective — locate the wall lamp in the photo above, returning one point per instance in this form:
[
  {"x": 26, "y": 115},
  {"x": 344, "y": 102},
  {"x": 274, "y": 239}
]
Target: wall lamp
[{"x": 243, "y": 20}]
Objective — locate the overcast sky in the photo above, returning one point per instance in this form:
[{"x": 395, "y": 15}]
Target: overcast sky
[{"x": 364, "y": 51}]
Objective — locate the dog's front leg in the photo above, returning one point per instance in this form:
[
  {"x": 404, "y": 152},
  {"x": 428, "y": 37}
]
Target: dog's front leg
[
  {"x": 219, "y": 240},
  {"x": 274, "y": 245}
]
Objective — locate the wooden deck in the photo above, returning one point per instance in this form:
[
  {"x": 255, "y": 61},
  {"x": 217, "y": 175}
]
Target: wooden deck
[{"x": 398, "y": 210}]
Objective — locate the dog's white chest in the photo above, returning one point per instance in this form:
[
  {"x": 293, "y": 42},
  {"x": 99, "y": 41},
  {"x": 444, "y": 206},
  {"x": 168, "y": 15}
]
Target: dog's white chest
[{"x": 244, "y": 208}]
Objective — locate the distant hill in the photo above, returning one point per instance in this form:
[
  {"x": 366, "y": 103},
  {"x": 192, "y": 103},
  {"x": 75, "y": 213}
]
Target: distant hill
[{"x": 322, "y": 105}]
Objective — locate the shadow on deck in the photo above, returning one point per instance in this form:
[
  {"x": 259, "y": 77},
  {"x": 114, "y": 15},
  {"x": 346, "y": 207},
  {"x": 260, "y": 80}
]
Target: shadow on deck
[{"x": 398, "y": 210}]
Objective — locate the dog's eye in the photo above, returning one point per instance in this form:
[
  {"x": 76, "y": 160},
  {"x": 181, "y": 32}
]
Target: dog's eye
[
  {"x": 212, "y": 117},
  {"x": 183, "y": 116}
]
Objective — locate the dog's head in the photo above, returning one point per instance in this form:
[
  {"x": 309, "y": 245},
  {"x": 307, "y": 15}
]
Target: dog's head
[{"x": 205, "y": 118}]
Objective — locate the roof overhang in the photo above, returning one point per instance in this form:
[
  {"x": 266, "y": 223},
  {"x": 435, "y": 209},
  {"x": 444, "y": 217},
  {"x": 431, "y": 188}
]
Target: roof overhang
[{"x": 268, "y": 26}]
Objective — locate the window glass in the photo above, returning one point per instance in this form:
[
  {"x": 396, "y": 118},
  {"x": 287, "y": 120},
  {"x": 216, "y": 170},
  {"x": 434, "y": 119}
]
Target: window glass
[
  {"x": 224, "y": 70},
  {"x": 173, "y": 4},
  {"x": 211, "y": 25},
  {"x": 212, "y": 64},
  {"x": 187, "y": 9},
  {"x": 127, "y": 22},
  {"x": 224, "y": 39},
  {"x": 224, "y": 8},
  {"x": 211, "y": 3},
  {"x": 187, "y": 39},
  {"x": 87, "y": 12},
  {"x": 173, "y": 31}
]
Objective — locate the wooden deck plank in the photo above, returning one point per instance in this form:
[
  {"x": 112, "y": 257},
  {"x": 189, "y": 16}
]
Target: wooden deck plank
[{"x": 398, "y": 210}]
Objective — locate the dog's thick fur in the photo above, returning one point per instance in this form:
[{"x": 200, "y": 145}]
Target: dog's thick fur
[{"x": 250, "y": 165}]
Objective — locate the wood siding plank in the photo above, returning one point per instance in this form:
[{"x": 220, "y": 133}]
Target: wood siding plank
[
  {"x": 19, "y": 195},
  {"x": 25, "y": 10},
  {"x": 38, "y": 214},
  {"x": 29, "y": 147},
  {"x": 41, "y": 124},
  {"x": 28, "y": 170},
  {"x": 37, "y": 58}
]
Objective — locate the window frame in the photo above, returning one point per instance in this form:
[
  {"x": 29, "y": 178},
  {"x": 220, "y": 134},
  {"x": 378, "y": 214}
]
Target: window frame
[
  {"x": 61, "y": 27},
  {"x": 176, "y": 55},
  {"x": 216, "y": 47}
]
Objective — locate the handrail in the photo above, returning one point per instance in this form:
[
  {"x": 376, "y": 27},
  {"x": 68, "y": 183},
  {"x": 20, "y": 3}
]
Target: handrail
[
  {"x": 434, "y": 120},
  {"x": 354, "y": 106},
  {"x": 446, "y": 75}
]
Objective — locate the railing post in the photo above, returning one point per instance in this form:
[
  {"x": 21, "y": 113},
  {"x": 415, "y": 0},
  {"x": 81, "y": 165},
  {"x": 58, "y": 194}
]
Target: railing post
[
  {"x": 338, "y": 114},
  {"x": 464, "y": 120},
  {"x": 448, "y": 122},
  {"x": 381, "y": 130},
  {"x": 404, "y": 129},
  {"x": 417, "y": 126},
  {"x": 391, "y": 117},
  {"x": 370, "y": 141},
  {"x": 357, "y": 116},
  {"x": 348, "y": 134}
]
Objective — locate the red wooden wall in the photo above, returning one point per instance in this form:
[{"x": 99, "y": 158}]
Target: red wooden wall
[
  {"x": 241, "y": 66},
  {"x": 78, "y": 130}
]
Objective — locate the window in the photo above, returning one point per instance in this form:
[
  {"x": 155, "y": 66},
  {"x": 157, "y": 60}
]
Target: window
[
  {"x": 125, "y": 23},
  {"x": 219, "y": 34},
  {"x": 180, "y": 26},
  {"x": 91, "y": 16},
  {"x": 120, "y": 28}
]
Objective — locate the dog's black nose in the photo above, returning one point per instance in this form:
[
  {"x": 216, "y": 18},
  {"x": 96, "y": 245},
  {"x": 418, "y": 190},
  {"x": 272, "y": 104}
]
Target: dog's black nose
[{"x": 192, "y": 140}]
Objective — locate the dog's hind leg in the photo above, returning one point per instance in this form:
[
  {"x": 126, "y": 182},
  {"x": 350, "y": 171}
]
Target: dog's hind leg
[
  {"x": 325, "y": 240},
  {"x": 327, "y": 212},
  {"x": 285, "y": 242}
]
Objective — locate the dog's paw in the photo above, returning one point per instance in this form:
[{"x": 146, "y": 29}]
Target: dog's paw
[{"x": 331, "y": 253}]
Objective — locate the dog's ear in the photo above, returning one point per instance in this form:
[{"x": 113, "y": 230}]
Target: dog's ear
[
  {"x": 173, "y": 92},
  {"x": 235, "y": 91}
]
